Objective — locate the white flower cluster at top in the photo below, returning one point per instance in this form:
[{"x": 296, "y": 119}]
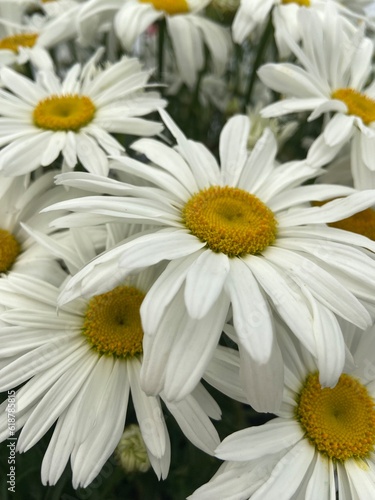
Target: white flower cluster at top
[{"x": 167, "y": 227}]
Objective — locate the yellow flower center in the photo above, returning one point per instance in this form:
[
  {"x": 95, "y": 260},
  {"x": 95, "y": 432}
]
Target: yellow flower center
[
  {"x": 361, "y": 223},
  {"x": 13, "y": 42},
  {"x": 230, "y": 221},
  {"x": 112, "y": 322},
  {"x": 9, "y": 250},
  {"x": 64, "y": 112},
  {"x": 305, "y": 3},
  {"x": 339, "y": 422},
  {"x": 169, "y": 6},
  {"x": 358, "y": 104}
]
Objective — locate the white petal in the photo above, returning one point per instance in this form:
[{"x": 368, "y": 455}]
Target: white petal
[
  {"x": 260, "y": 163},
  {"x": 330, "y": 212},
  {"x": 163, "y": 291},
  {"x": 148, "y": 410},
  {"x": 188, "y": 47},
  {"x": 195, "y": 424},
  {"x": 157, "y": 347},
  {"x": 368, "y": 151},
  {"x": 204, "y": 282},
  {"x": 286, "y": 299},
  {"x": 91, "y": 155},
  {"x": 233, "y": 148},
  {"x": 319, "y": 483},
  {"x": 168, "y": 159},
  {"x": 88, "y": 459},
  {"x": 194, "y": 345},
  {"x": 24, "y": 155},
  {"x": 132, "y": 20},
  {"x": 223, "y": 373},
  {"x": 329, "y": 339},
  {"x": 53, "y": 403},
  {"x": 251, "y": 312},
  {"x": 255, "y": 442},
  {"x": 55, "y": 145},
  {"x": 291, "y": 80},
  {"x": 288, "y": 473},
  {"x": 201, "y": 177},
  {"x": 324, "y": 287},
  {"x": 360, "y": 479},
  {"x": 26, "y": 89},
  {"x": 263, "y": 383},
  {"x": 153, "y": 248},
  {"x": 338, "y": 130}
]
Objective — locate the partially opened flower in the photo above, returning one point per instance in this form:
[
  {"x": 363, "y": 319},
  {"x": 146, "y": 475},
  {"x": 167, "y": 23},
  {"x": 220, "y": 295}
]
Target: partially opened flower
[
  {"x": 75, "y": 117},
  {"x": 322, "y": 443},
  {"x": 240, "y": 234},
  {"x": 337, "y": 64},
  {"x": 189, "y": 32},
  {"x": 79, "y": 366}
]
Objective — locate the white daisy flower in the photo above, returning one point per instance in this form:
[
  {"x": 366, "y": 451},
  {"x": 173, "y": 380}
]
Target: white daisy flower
[
  {"x": 243, "y": 234},
  {"x": 322, "y": 443},
  {"x": 75, "y": 117},
  {"x": 189, "y": 32},
  {"x": 21, "y": 202},
  {"x": 253, "y": 13},
  {"x": 28, "y": 38},
  {"x": 337, "y": 63},
  {"x": 78, "y": 367}
]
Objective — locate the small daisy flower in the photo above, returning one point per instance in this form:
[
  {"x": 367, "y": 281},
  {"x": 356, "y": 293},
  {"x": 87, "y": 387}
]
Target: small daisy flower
[
  {"x": 189, "y": 32},
  {"x": 322, "y": 443},
  {"x": 79, "y": 367},
  {"x": 240, "y": 234},
  {"x": 334, "y": 79},
  {"x": 28, "y": 38},
  {"x": 75, "y": 117},
  {"x": 21, "y": 202}
]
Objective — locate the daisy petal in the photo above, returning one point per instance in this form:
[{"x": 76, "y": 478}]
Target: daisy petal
[{"x": 204, "y": 282}]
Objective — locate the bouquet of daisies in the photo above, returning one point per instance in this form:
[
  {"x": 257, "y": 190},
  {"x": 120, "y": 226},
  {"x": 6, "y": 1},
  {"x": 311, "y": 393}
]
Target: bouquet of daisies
[{"x": 187, "y": 238}]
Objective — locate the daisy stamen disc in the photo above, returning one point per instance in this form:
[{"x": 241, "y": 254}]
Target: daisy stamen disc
[
  {"x": 9, "y": 250},
  {"x": 358, "y": 104},
  {"x": 13, "y": 42},
  {"x": 230, "y": 220},
  {"x": 64, "y": 112},
  {"x": 112, "y": 323},
  {"x": 362, "y": 222},
  {"x": 169, "y": 6},
  {"x": 339, "y": 422},
  {"x": 302, "y": 3}
]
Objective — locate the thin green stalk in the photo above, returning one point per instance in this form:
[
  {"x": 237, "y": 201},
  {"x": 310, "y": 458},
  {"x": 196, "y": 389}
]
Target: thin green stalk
[
  {"x": 263, "y": 44},
  {"x": 161, "y": 40}
]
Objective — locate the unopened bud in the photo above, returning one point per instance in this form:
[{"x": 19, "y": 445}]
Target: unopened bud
[{"x": 131, "y": 450}]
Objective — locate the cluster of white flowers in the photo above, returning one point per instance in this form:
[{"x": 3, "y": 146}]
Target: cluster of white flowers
[{"x": 158, "y": 206}]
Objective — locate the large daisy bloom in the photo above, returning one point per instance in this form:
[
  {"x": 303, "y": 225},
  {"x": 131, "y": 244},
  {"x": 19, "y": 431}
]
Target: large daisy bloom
[
  {"x": 334, "y": 78},
  {"x": 189, "y": 32},
  {"x": 240, "y": 234},
  {"x": 78, "y": 367},
  {"x": 322, "y": 443},
  {"x": 75, "y": 117}
]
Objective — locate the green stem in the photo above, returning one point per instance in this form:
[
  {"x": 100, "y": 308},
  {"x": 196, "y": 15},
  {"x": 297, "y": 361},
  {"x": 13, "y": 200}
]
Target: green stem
[
  {"x": 237, "y": 69},
  {"x": 161, "y": 39},
  {"x": 263, "y": 44}
]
